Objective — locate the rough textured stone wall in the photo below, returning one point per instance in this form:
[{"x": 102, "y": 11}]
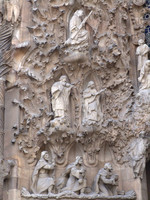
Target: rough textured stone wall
[{"x": 103, "y": 53}]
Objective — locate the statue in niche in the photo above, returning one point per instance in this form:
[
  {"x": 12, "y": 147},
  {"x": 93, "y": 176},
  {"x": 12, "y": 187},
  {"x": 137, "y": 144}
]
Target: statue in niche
[
  {"x": 60, "y": 98},
  {"x": 73, "y": 179},
  {"x": 142, "y": 53},
  {"x": 106, "y": 182},
  {"x": 42, "y": 181},
  {"x": 145, "y": 76},
  {"x": 91, "y": 105},
  {"x": 137, "y": 155},
  {"x": 78, "y": 34}
]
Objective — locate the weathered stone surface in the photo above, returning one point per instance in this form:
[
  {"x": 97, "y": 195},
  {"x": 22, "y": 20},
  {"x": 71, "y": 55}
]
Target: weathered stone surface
[{"x": 73, "y": 89}]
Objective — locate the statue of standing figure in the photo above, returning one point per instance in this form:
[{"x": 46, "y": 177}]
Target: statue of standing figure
[
  {"x": 60, "y": 97},
  {"x": 73, "y": 179},
  {"x": 78, "y": 33},
  {"x": 137, "y": 154},
  {"x": 106, "y": 182},
  {"x": 145, "y": 76},
  {"x": 43, "y": 177},
  {"x": 91, "y": 105},
  {"x": 142, "y": 53}
]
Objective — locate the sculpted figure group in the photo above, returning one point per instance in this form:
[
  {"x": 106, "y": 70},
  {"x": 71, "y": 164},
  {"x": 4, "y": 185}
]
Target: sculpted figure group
[
  {"x": 73, "y": 180},
  {"x": 61, "y": 91}
]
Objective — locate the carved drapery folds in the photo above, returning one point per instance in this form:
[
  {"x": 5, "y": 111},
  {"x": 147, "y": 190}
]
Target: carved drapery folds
[
  {"x": 142, "y": 52},
  {"x": 61, "y": 104},
  {"x": 137, "y": 155},
  {"x": 77, "y": 44},
  {"x": 41, "y": 179},
  {"x": 73, "y": 182},
  {"x": 92, "y": 114},
  {"x": 78, "y": 35},
  {"x": 144, "y": 78},
  {"x": 73, "y": 178},
  {"x": 106, "y": 182}
]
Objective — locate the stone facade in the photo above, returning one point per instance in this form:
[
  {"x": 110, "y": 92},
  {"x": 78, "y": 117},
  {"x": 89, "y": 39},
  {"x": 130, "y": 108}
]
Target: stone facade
[{"x": 74, "y": 100}]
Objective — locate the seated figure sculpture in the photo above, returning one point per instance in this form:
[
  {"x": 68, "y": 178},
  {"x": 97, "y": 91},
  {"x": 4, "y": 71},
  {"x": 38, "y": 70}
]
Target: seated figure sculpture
[
  {"x": 78, "y": 42},
  {"x": 73, "y": 179},
  {"x": 78, "y": 33},
  {"x": 106, "y": 182},
  {"x": 42, "y": 182}
]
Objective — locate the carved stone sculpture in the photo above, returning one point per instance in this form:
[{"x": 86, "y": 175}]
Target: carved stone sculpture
[
  {"x": 101, "y": 126},
  {"x": 42, "y": 182},
  {"x": 77, "y": 43},
  {"x": 139, "y": 2},
  {"x": 78, "y": 33},
  {"x": 73, "y": 179},
  {"x": 60, "y": 98},
  {"x": 145, "y": 76},
  {"x": 137, "y": 155},
  {"x": 13, "y": 10},
  {"x": 91, "y": 106},
  {"x": 106, "y": 182},
  {"x": 142, "y": 53}
]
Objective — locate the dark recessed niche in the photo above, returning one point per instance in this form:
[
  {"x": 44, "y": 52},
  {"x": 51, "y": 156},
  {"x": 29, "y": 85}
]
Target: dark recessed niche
[{"x": 147, "y": 35}]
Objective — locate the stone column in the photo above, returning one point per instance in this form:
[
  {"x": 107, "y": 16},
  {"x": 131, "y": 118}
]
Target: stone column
[
  {"x": 1, "y": 6},
  {"x": 2, "y": 95}
]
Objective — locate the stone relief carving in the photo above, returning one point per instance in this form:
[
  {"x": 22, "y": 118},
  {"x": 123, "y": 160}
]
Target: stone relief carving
[
  {"x": 92, "y": 114},
  {"x": 137, "y": 155},
  {"x": 60, "y": 144},
  {"x": 73, "y": 183},
  {"x": 106, "y": 182},
  {"x": 142, "y": 53},
  {"x": 78, "y": 34},
  {"x": 60, "y": 102},
  {"x": 42, "y": 182},
  {"x": 110, "y": 58},
  {"x": 73, "y": 179},
  {"x": 78, "y": 40},
  {"x": 60, "y": 97},
  {"x": 144, "y": 78}
]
